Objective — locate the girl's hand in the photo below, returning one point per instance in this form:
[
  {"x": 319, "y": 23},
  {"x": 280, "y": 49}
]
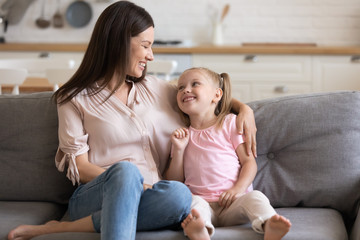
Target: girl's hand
[
  {"x": 245, "y": 123},
  {"x": 180, "y": 138},
  {"x": 228, "y": 197}
]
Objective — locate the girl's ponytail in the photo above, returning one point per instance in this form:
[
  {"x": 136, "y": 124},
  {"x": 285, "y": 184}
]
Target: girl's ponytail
[{"x": 224, "y": 105}]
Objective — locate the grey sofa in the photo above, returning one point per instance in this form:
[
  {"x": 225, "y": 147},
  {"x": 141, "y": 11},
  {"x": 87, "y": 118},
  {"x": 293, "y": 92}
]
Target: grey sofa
[{"x": 308, "y": 166}]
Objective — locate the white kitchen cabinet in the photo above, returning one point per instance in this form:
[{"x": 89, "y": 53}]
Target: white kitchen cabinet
[
  {"x": 37, "y": 62},
  {"x": 337, "y": 72},
  {"x": 18, "y": 55},
  {"x": 257, "y": 77},
  {"x": 262, "y": 91},
  {"x": 38, "y": 54}
]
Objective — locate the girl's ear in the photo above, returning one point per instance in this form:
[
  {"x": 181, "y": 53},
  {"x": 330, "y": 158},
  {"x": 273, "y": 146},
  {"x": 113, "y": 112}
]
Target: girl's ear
[{"x": 218, "y": 95}]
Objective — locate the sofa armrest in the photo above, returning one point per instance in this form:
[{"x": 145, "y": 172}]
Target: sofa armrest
[{"x": 355, "y": 232}]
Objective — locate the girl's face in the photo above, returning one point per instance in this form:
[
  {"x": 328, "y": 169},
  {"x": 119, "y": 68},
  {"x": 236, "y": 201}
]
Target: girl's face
[
  {"x": 197, "y": 93},
  {"x": 140, "y": 52}
]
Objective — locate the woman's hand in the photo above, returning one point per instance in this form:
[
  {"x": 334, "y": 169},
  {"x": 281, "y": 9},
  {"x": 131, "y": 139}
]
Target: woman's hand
[{"x": 245, "y": 123}]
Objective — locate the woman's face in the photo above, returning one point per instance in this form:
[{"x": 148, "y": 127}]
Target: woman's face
[{"x": 141, "y": 52}]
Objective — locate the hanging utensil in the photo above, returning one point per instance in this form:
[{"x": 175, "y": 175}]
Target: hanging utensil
[
  {"x": 79, "y": 13},
  {"x": 58, "y": 20},
  {"x": 42, "y": 22}
]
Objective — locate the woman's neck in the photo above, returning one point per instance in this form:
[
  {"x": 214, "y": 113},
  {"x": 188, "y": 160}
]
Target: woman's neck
[{"x": 122, "y": 92}]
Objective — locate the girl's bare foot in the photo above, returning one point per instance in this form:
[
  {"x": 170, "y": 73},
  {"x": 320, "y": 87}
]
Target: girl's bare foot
[
  {"x": 276, "y": 227},
  {"x": 194, "y": 226},
  {"x": 25, "y": 232}
]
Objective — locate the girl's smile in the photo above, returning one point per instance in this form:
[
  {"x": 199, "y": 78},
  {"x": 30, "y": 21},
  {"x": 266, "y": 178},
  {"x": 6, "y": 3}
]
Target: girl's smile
[{"x": 188, "y": 98}]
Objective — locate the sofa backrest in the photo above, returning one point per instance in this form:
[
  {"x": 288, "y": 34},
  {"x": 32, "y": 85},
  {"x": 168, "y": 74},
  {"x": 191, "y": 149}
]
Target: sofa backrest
[
  {"x": 309, "y": 150},
  {"x": 28, "y": 143}
]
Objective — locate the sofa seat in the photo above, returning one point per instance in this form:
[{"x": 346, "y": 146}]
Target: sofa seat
[
  {"x": 18, "y": 213},
  {"x": 307, "y": 224}
]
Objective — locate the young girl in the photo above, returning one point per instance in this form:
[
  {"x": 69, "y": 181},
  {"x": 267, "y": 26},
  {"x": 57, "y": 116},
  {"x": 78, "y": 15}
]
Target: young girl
[{"x": 215, "y": 165}]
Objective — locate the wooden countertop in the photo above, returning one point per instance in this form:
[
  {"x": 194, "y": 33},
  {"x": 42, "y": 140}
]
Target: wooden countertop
[{"x": 249, "y": 48}]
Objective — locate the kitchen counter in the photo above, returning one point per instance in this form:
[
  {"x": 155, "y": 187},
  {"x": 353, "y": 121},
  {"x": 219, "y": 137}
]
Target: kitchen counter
[
  {"x": 38, "y": 84},
  {"x": 248, "y": 48}
]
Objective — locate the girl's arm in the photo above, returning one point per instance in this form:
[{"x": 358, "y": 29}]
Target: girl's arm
[
  {"x": 179, "y": 140},
  {"x": 245, "y": 123},
  {"x": 246, "y": 177}
]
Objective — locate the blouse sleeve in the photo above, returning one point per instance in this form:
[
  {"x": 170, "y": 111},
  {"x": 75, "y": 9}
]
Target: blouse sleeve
[{"x": 73, "y": 140}]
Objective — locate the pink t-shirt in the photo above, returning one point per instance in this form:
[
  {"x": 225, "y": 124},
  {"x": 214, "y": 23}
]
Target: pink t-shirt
[{"x": 211, "y": 165}]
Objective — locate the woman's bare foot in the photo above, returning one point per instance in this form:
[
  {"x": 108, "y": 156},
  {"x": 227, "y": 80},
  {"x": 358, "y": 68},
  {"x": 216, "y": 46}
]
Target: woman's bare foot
[
  {"x": 194, "y": 226},
  {"x": 25, "y": 232},
  {"x": 276, "y": 227}
]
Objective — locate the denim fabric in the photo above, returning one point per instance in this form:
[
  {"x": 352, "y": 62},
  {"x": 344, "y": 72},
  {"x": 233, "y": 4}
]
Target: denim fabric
[{"x": 119, "y": 206}]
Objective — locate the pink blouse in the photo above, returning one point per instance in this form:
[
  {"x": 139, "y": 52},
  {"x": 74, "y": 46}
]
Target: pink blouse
[{"x": 111, "y": 131}]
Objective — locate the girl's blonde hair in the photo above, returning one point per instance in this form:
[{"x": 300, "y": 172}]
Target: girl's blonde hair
[{"x": 223, "y": 107}]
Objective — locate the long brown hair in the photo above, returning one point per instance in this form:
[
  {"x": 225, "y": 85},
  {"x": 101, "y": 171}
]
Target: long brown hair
[
  {"x": 223, "y": 107},
  {"x": 108, "y": 51}
]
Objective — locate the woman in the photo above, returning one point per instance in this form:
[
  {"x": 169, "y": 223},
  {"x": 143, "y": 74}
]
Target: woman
[{"x": 114, "y": 135}]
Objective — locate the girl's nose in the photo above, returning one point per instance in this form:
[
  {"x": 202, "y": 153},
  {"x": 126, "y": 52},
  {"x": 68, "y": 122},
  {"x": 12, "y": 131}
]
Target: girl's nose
[{"x": 186, "y": 90}]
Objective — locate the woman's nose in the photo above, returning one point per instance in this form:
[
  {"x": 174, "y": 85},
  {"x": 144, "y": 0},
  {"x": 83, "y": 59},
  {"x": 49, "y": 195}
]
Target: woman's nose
[{"x": 150, "y": 55}]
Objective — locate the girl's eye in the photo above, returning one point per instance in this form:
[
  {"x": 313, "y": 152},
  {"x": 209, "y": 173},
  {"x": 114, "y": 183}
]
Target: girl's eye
[
  {"x": 195, "y": 83},
  {"x": 180, "y": 88}
]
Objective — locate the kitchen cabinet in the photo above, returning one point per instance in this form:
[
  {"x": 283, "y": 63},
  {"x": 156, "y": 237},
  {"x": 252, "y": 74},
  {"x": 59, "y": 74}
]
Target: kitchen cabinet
[
  {"x": 41, "y": 54},
  {"x": 337, "y": 72},
  {"x": 257, "y": 72},
  {"x": 38, "y": 61},
  {"x": 257, "y": 77}
]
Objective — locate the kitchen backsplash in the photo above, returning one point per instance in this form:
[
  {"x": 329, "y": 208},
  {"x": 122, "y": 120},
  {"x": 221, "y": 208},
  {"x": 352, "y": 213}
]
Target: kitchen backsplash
[{"x": 325, "y": 22}]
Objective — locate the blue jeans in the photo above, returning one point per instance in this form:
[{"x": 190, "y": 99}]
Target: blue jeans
[{"x": 119, "y": 206}]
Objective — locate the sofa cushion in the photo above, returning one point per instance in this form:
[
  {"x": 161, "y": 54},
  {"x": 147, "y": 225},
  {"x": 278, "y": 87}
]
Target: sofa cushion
[
  {"x": 308, "y": 151},
  {"x": 314, "y": 224},
  {"x": 307, "y": 224},
  {"x": 13, "y": 214},
  {"x": 28, "y": 143}
]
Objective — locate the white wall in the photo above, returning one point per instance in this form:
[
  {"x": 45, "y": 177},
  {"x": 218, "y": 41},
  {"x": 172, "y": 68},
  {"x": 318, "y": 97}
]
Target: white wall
[{"x": 325, "y": 22}]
